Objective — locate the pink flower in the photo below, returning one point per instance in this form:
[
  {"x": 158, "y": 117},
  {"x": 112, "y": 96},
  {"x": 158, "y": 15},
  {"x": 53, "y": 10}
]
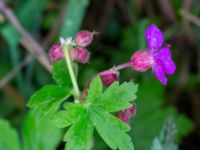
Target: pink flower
[
  {"x": 157, "y": 56},
  {"x": 163, "y": 63}
]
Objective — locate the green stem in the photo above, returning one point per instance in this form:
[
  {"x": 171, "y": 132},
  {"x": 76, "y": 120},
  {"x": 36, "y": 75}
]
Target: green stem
[{"x": 71, "y": 72}]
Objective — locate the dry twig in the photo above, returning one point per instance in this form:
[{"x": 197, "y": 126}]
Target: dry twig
[{"x": 27, "y": 41}]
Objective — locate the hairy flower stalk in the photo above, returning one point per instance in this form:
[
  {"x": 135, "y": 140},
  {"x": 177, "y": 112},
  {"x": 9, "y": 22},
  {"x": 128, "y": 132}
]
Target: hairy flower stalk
[{"x": 71, "y": 72}]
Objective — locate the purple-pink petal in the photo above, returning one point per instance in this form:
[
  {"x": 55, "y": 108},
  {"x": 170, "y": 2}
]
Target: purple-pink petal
[
  {"x": 164, "y": 55},
  {"x": 154, "y": 37},
  {"x": 159, "y": 72}
]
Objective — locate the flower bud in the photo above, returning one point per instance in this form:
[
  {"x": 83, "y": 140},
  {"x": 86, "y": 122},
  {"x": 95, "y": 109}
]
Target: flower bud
[
  {"x": 79, "y": 54},
  {"x": 141, "y": 60},
  {"x": 56, "y": 52},
  {"x": 110, "y": 76},
  {"x": 84, "y": 38},
  {"x": 126, "y": 114},
  {"x": 122, "y": 117},
  {"x": 130, "y": 112}
]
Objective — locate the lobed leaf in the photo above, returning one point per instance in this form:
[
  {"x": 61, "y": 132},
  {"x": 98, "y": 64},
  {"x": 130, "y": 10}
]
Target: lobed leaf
[
  {"x": 117, "y": 97},
  {"x": 95, "y": 90},
  {"x": 69, "y": 116},
  {"x": 111, "y": 129},
  {"x": 79, "y": 136},
  {"x": 47, "y": 100},
  {"x": 47, "y": 94}
]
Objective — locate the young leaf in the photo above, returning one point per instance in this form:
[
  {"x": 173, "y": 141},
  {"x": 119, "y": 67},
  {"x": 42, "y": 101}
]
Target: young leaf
[
  {"x": 60, "y": 73},
  {"x": 95, "y": 90},
  {"x": 48, "y": 99},
  {"x": 117, "y": 97},
  {"x": 111, "y": 129},
  {"x": 8, "y": 137},
  {"x": 69, "y": 116},
  {"x": 79, "y": 136}
]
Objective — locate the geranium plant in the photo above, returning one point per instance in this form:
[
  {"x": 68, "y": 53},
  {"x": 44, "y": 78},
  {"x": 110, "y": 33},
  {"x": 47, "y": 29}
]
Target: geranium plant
[{"x": 104, "y": 104}]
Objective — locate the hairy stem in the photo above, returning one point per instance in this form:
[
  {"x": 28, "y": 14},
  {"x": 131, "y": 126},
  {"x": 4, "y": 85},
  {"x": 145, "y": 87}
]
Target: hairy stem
[
  {"x": 117, "y": 68},
  {"x": 71, "y": 72}
]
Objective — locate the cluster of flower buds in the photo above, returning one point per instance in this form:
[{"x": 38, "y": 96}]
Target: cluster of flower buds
[
  {"x": 78, "y": 50},
  {"x": 126, "y": 114}
]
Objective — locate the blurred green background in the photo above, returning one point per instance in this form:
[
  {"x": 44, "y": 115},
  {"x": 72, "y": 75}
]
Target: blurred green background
[{"x": 32, "y": 26}]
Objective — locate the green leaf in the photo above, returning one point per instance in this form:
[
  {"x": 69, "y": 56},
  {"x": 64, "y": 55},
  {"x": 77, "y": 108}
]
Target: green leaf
[
  {"x": 117, "y": 97},
  {"x": 111, "y": 129},
  {"x": 61, "y": 74},
  {"x": 74, "y": 16},
  {"x": 47, "y": 94},
  {"x": 8, "y": 138},
  {"x": 69, "y": 116},
  {"x": 184, "y": 125},
  {"x": 47, "y": 100},
  {"x": 95, "y": 90},
  {"x": 79, "y": 136},
  {"x": 83, "y": 117},
  {"x": 43, "y": 136}
]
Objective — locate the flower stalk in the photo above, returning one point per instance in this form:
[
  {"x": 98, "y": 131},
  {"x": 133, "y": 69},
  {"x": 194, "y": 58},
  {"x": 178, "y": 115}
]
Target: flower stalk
[{"x": 71, "y": 72}]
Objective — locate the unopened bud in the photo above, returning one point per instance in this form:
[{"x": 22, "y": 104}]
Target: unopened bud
[
  {"x": 126, "y": 114},
  {"x": 84, "y": 38},
  {"x": 56, "y": 52},
  {"x": 141, "y": 60},
  {"x": 79, "y": 54},
  {"x": 110, "y": 76},
  {"x": 122, "y": 117}
]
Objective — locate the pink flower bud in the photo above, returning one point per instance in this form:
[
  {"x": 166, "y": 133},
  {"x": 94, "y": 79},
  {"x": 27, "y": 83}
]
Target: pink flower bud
[
  {"x": 130, "y": 112},
  {"x": 79, "y": 54},
  {"x": 84, "y": 38},
  {"x": 55, "y": 52},
  {"x": 109, "y": 76},
  {"x": 122, "y": 117},
  {"x": 141, "y": 60},
  {"x": 126, "y": 114}
]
